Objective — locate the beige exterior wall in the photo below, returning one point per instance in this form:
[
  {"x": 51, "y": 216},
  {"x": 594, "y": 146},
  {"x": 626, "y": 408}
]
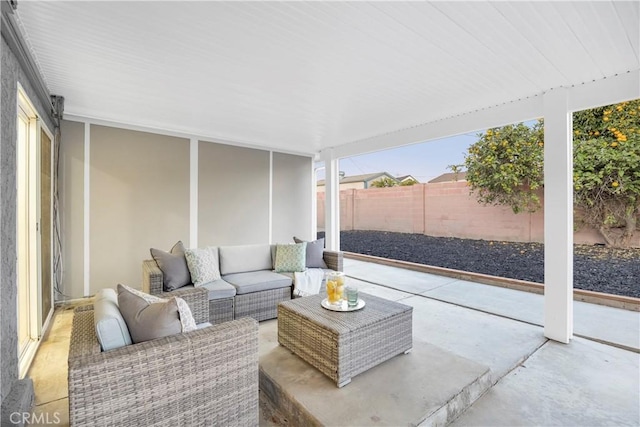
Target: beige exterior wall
[
  {"x": 140, "y": 196},
  {"x": 291, "y": 198},
  {"x": 71, "y": 204},
  {"x": 233, "y": 195},
  {"x": 452, "y": 212},
  {"x": 139, "y": 189},
  {"x": 442, "y": 210}
]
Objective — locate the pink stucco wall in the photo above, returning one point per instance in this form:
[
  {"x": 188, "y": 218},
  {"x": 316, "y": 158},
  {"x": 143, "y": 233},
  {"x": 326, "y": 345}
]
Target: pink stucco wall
[{"x": 443, "y": 210}]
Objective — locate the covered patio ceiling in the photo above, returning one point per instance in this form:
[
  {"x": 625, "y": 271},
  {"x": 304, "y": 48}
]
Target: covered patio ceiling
[{"x": 307, "y": 77}]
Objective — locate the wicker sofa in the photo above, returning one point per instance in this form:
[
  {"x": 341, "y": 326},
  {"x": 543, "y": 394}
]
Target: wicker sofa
[
  {"x": 260, "y": 304},
  {"x": 204, "y": 377}
]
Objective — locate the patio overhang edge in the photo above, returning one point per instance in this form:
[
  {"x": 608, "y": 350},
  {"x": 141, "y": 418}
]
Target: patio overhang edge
[{"x": 609, "y": 90}]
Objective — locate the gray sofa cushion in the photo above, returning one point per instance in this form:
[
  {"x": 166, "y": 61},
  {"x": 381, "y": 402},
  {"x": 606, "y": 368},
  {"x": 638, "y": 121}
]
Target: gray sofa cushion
[
  {"x": 243, "y": 258},
  {"x": 175, "y": 273},
  {"x": 256, "y": 281},
  {"x": 219, "y": 289},
  {"x": 111, "y": 329}
]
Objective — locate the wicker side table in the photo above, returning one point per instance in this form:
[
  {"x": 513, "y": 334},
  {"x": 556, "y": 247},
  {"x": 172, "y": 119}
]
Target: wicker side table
[{"x": 342, "y": 345}]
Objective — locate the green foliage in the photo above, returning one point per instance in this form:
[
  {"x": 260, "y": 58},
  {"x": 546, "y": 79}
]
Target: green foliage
[
  {"x": 385, "y": 181},
  {"x": 505, "y": 166},
  {"x": 456, "y": 169},
  {"x": 607, "y": 169},
  {"x": 408, "y": 182}
]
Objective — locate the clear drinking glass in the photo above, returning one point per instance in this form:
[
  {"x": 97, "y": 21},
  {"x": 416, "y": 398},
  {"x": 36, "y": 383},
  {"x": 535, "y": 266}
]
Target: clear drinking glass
[{"x": 352, "y": 296}]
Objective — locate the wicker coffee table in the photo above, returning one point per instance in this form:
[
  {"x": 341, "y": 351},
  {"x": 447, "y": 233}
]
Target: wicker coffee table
[{"x": 342, "y": 345}]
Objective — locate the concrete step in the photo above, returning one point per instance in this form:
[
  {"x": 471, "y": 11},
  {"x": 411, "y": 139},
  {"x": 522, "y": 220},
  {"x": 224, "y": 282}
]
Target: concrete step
[{"x": 428, "y": 386}]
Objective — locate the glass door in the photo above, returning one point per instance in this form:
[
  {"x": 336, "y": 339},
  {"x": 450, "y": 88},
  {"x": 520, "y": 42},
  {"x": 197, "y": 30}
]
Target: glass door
[{"x": 28, "y": 176}]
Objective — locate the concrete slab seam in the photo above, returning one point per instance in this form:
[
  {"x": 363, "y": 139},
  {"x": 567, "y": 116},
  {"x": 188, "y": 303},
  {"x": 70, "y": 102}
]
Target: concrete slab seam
[
  {"x": 598, "y": 340},
  {"x": 447, "y": 302},
  {"x": 609, "y": 343}
]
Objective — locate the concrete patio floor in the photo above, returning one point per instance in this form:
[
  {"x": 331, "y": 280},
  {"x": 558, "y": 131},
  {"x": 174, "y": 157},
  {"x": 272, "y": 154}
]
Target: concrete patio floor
[
  {"x": 479, "y": 359},
  {"x": 471, "y": 341}
]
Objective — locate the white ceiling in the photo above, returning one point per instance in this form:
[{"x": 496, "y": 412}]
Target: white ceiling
[{"x": 304, "y": 76}]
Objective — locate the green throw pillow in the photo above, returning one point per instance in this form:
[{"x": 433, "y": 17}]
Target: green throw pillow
[{"x": 291, "y": 258}]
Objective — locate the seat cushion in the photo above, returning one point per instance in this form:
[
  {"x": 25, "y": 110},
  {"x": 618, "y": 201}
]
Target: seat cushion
[
  {"x": 219, "y": 289},
  {"x": 243, "y": 258},
  {"x": 256, "y": 281},
  {"x": 111, "y": 329}
]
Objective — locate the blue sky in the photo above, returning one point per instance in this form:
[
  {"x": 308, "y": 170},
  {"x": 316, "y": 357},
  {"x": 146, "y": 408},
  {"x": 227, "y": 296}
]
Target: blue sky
[{"x": 424, "y": 161}]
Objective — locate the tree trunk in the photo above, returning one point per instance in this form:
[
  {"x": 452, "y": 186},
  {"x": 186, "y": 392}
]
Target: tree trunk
[
  {"x": 608, "y": 240},
  {"x": 630, "y": 228}
]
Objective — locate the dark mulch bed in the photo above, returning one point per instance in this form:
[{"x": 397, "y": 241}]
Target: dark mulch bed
[{"x": 596, "y": 268}]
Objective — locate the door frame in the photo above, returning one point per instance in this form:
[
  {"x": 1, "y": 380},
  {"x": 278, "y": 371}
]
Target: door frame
[{"x": 36, "y": 324}]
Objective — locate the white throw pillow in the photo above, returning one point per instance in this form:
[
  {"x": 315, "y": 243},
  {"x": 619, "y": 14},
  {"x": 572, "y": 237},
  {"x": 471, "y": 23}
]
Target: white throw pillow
[{"x": 203, "y": 265}]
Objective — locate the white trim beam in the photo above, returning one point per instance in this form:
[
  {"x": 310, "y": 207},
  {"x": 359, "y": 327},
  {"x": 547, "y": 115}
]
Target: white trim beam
[
  {"x": 332, "y": 203},
  {"x": 612, "y": 90},
  {"x": 513, "y": 112},
  {"x": 270, "y": 231},
  {"x": 193, "y": 193},
  {"x": 607, "y": 91},
  {"x": 558, "y": 217},
  {"x": 187, "y": 134},
  {"x": 87, "y": 209}
]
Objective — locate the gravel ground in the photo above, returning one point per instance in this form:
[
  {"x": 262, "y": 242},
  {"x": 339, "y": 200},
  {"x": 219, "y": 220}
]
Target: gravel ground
[{"x": 595, "y": 268}]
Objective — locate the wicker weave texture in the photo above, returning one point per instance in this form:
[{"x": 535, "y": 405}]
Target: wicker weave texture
[
  {"x": 261, "y": 305},
  {"x": 201, "y": 378},
  {"x": 333, "y": 259},
  {"x": 151, "y": 277},
  {"x": 197, "y": 298},
  {"x": 220, "y": 310},
  {"x": 342, "y": 345}
]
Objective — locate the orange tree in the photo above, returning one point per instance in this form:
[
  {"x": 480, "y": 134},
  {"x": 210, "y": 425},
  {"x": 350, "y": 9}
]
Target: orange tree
[
  {"x": 606, "y": 173},
  {"x": 505, "y": 167}
]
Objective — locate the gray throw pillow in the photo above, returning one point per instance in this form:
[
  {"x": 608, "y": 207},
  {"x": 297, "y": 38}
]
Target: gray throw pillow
[
  {"x": 315, "y": 251},
  {"x": 148, "y": 321},
  {"x": 175, "y": 272}
]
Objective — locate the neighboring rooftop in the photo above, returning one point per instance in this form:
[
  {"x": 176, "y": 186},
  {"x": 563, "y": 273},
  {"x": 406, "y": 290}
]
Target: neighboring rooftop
[
  {"x": 367, "y": 177},
  {"x": 449, "y": 177}
]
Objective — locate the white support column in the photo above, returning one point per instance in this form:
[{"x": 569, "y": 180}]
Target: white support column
[
  {"x": 314, "y": 203},
  {"x": 193, "y": 192},
  {"x": 332, "y": 203},
  {"x": 87, "y": 209},
  {"x": 558, "y": 217}
]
